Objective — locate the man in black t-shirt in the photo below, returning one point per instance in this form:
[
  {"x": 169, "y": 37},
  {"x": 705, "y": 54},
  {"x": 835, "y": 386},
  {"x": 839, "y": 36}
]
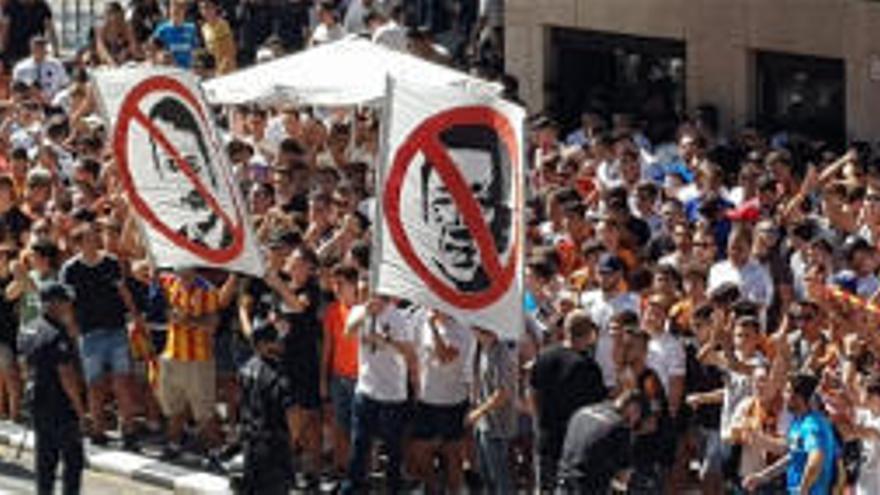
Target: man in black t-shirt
[
  {"x": 598, "y": 444},
  {"x": 291, "y": 178},
  {"x": 259, "y": 301},
  {"x": 14, "y": 224},
  {"x": 704, "y": 386},
  {"x": 564, "y": 379},
  {"x": 10, "y": 382},
  {"x": 28, "y": 18},
  {"x": 297, "y": 320},
  {"x": 96, "y": 277}
]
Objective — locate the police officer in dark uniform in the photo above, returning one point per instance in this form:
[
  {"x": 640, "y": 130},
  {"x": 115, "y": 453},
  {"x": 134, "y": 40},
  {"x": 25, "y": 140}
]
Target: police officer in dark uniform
[
  {"x": 58, "y": 405},
  {"x": 266, "y": 417}
]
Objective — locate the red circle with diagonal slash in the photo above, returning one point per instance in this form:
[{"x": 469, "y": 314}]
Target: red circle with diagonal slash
[
  {"x": 426, "y": 139},
  {"x": 130, "y": 113}
]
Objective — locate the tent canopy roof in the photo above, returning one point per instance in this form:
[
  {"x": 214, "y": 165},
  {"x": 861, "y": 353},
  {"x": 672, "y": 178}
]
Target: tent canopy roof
[{"x": 351, "y": 71}]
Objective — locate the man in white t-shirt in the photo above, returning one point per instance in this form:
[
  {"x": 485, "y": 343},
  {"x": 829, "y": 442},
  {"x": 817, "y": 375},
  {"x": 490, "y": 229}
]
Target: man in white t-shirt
[
  {"x": 41, "y": 70},
  {"x": 354, "y": 21},
  {"x": 445, "y": 349},
  {"x": 752, "y": 277},
  {"x": 386, "y": 32},
  {"x": 665, "y": 352},
  {"x": 602, "y": 304},
  {"x": 755, "y": 421},
  {"x": 385, "y": 361},
  {"x": 867, "y": 429},
  {"x": 328, "y": 29}
]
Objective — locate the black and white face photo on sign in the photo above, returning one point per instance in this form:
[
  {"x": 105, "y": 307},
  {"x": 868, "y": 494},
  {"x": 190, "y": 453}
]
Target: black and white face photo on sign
[
  {"x": 166, "y": 188},
  {"x": 446, "y": 245}
]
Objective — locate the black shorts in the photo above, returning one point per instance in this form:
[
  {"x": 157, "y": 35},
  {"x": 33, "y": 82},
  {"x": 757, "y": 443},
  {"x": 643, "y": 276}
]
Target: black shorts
[
  {"x": 444, "y": 423},
  {"x": 306, "y": 393},
  {"x": 305, "y": 383}
]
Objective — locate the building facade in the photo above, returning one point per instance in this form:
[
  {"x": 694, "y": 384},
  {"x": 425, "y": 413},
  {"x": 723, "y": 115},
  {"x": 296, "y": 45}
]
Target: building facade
[{"x": 813, "y": 62}]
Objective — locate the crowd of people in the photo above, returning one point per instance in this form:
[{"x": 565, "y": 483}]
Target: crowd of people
[{"x": 701, "y": 307}]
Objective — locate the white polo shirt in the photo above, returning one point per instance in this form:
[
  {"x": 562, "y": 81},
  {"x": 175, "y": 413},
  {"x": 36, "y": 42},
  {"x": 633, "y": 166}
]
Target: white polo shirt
[
  {"x": 445, "y": 384},
  {"x": 382, "y": 371},
  {"x": 50, "y": 73},
  {"x": 601, "y": 309},
  {"x": 666, "y": 356}
]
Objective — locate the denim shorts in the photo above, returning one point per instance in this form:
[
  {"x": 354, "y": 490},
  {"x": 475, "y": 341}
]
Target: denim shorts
[
  {"x": 342, "y": 396},
  {"x": 104, "y": 350},
  {"x": 713, "y": 450}
]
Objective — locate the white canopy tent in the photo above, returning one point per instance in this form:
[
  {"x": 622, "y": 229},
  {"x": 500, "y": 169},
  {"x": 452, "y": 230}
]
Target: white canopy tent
[{"x": 352, "y": 71}]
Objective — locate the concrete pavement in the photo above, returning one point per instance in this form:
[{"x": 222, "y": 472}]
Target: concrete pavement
[
  {"x": 138, "y": 469},
  {"x": 17, "y": 478}
]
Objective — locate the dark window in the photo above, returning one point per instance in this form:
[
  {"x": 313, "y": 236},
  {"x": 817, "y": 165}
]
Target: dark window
[
  {"x": 613, "y": 73},
  {"x": 801, "y": 94}
]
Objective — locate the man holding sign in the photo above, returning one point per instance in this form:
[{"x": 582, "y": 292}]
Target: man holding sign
[
  {"x": 188, "y": 204},
  {"x": 458, "y": 155}
]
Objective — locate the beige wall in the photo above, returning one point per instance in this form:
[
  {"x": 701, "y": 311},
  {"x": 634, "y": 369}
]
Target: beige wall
[{"x": 721, "y": 37}]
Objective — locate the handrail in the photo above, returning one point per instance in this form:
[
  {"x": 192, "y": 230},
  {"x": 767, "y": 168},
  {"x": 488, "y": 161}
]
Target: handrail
[{"x": 73, "y": 21}]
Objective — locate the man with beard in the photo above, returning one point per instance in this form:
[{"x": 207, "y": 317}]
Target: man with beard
[
  {"x": 564, "y": 378},
  {"x": 603, "y": 303}
]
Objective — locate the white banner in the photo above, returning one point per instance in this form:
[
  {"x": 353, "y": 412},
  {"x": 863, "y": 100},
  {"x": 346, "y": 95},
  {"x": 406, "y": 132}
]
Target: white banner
[
  {"x": 175, "y": 172},
  {"x": 449, "y": 231}
]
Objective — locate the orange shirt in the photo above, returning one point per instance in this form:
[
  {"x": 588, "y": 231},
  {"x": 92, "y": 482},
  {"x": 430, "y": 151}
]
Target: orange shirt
[
  {"x": 570, "y": 258},
  {"x": 629, "y": 258},
  {"x": 188, "y": 343},
  {"x": 681, "y": 313},
  {"x": 344, "y": 350}
]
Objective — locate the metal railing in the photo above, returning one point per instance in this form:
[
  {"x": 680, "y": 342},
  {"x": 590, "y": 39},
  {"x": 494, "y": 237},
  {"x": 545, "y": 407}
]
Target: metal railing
[{"x": 74, "y": 20}]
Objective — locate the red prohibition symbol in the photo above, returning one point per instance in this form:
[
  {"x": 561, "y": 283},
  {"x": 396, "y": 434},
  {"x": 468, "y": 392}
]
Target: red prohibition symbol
[
  {"x": 130, "y": 114},
  {"x": 426, "y": 139}
]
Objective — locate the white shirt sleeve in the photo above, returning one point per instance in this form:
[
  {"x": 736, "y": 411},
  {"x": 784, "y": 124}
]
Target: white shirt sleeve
[
  {"x": 63, "y": 77},
  {"x": 676, "y": 359},
  {"x": 768, "y": 281},
  {"x": 19, "y": 72}
]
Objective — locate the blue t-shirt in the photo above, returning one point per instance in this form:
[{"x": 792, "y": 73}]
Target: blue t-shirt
[
  {"x": 180, "y": 41},
  {"x": 806, "y": 434},
  {"x": 658, "y": 174}
]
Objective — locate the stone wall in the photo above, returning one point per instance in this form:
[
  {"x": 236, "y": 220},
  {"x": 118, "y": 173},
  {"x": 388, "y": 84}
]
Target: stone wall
[{"x": 722, "y": 37}]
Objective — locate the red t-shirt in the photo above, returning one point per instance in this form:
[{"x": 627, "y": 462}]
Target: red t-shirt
[{"x": 344, "y": 350}]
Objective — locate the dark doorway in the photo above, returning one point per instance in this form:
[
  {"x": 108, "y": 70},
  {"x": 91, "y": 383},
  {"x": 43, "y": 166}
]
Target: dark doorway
[
  {"x": 801, "y": 94},
  {"x": 614, "y": 73}
]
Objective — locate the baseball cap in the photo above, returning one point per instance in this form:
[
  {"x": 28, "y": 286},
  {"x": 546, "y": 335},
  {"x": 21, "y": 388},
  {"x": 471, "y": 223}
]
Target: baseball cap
[
  {"x": 45, "y": 248},
  {"x": 767, "y": 182},
  {"x": 544, "y": 122},
  {"x": 39, "y": 176},
  {"x": 609, "y": 263},
  {"x": 853, "y": 245},
  {"x": 725, "y": 293},
  {"x": 55, "y": 291},
  {"x": 846, "y": 280},
  {"x": 264, "y": 332}
]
